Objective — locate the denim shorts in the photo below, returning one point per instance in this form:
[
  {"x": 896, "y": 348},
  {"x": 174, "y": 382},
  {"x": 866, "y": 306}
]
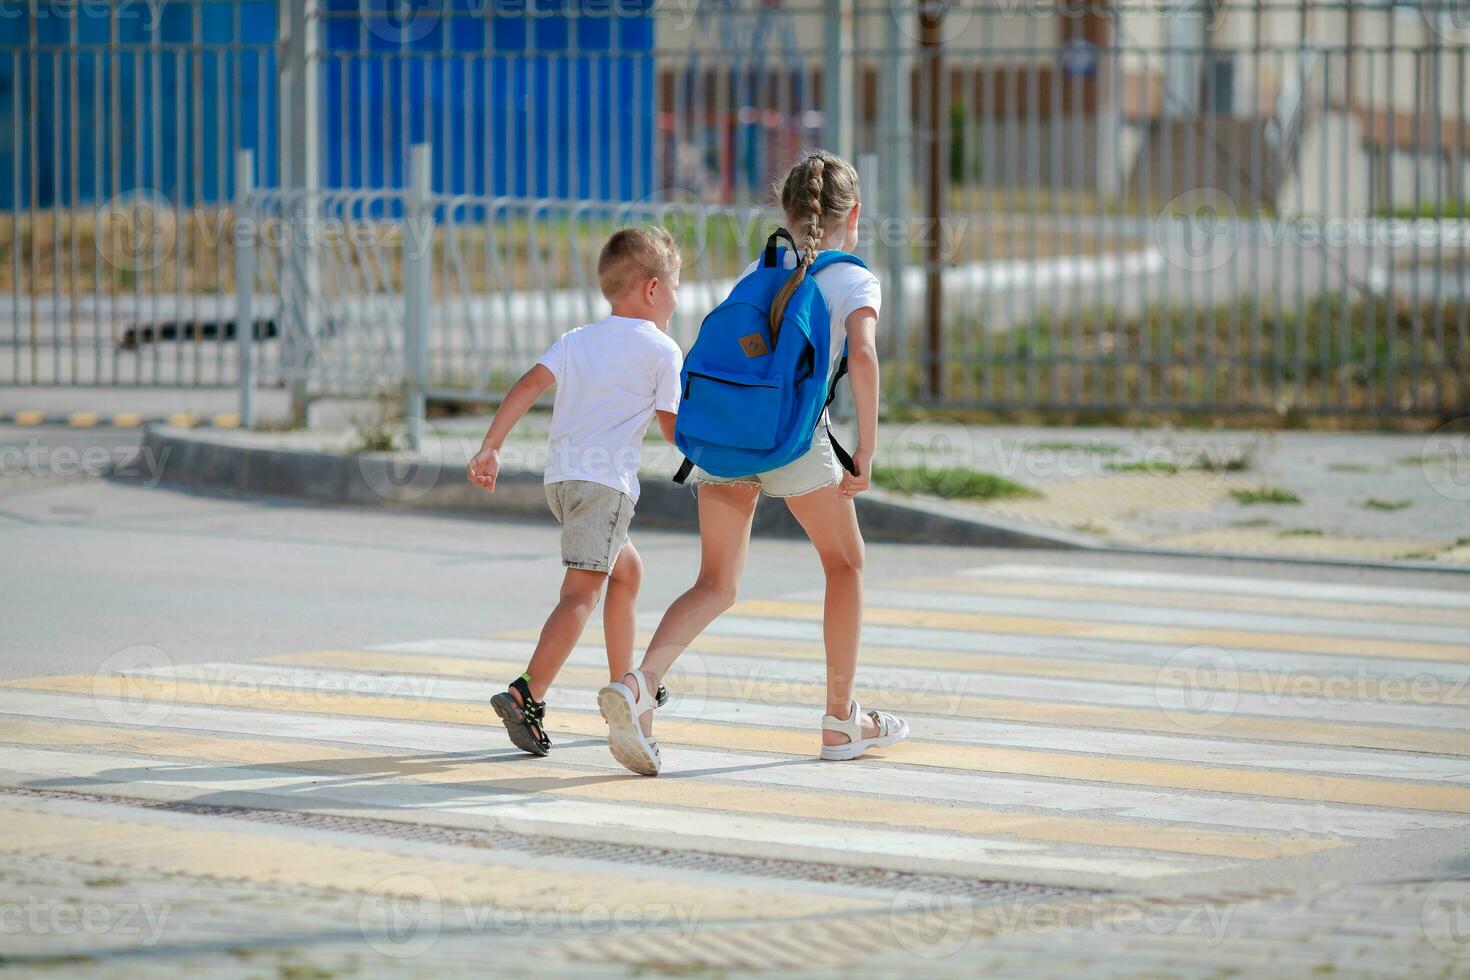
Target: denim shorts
[
  {"x": 816, "y": 469},
  {"x": 594, "y": 522}
]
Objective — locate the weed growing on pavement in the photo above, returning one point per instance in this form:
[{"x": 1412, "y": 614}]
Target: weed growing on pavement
[
  {"x": 1373, "y": 503},
  {"x": 956, "y": 481},
  {"x": 1264, "y": 495}
]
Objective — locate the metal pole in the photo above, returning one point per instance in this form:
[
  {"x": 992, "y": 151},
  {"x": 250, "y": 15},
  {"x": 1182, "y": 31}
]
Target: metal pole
[
  {"x": 897, "y": 147},
  {"x": 931, "y": 15},
  {"x": 245, "y": 284},
  {"x": 300, "y": 148},
  {"x": 418, "y": 256},
  {"x": 838, "y": 93}
]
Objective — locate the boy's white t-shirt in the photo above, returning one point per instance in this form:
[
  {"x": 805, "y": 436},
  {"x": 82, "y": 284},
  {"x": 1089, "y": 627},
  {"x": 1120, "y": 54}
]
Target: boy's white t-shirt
[
  {"x": 610, "y": 377},
  {"x": 846, "y": 288}
]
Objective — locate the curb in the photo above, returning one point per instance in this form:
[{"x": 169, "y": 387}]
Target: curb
[
  {"x": 120, "y": 420},
  {"x": 186, "y": 457}
]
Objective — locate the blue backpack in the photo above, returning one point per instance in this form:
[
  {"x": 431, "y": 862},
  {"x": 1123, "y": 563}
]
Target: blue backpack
[{"x": 751, "y": 405}]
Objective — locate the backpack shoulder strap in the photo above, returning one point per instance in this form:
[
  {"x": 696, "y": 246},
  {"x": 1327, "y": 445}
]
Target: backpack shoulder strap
[{"x": 832, "y": 257}]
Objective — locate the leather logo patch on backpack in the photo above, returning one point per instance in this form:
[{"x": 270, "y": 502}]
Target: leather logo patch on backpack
[{"x": 754, "y": 345}]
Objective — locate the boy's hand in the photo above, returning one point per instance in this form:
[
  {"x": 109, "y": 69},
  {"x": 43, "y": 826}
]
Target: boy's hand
[
  {"x": 485, "y": 468},
  {"x": 851, "y": 486}
]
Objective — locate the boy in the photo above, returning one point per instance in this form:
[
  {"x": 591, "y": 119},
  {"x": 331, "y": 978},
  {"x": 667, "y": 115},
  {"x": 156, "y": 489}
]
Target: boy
[{"x": 611, "y": 377}]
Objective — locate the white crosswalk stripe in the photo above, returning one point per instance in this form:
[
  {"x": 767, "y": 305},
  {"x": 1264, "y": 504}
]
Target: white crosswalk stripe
[{"x": 1089, "y": 762}]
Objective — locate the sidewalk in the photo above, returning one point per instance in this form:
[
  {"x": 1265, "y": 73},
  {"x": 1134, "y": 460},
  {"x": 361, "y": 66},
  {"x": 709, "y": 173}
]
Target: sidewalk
[
  {"x": 1338, "y": 495},
  {"x": 1345, "y": 495}
]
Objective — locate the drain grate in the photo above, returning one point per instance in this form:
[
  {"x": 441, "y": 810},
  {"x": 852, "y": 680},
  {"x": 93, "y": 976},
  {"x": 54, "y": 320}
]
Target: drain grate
[{"x": 977, "y": 890}]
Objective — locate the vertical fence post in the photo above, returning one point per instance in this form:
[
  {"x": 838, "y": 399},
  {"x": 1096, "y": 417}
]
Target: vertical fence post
[
  {"x": 300, "y": 152},
  {"x": 418, "y": 257},
  {"x": 838, "y": 91},
  {"x": 244, "y": 237},
  {"x": 896, "y": 148}
]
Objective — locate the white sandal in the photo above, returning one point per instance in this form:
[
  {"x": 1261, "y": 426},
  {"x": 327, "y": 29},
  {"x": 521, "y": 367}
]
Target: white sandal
[
  {"x": 891, "y": 728},
  {"x": 621, "y": 710}
]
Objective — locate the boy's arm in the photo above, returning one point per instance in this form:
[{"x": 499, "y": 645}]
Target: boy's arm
[
  {"x": 485, "y": 467},
  {"x": 862, "y": 372},
  {"x": 666, "y": 424}
]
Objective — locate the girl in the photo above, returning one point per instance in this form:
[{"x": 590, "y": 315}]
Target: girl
[{"x": 820, "y": 198}]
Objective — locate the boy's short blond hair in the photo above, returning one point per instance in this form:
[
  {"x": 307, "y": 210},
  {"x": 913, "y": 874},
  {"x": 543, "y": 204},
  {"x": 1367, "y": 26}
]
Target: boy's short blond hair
[{"x": 633, "y": 256}]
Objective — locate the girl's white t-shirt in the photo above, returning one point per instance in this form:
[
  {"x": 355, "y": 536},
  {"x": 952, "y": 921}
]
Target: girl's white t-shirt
[{"x": 847, "y": 288}]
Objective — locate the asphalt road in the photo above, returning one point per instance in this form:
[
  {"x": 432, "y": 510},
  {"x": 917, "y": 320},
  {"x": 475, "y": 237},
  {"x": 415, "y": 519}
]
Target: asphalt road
[{"x": 91, "y": 566}]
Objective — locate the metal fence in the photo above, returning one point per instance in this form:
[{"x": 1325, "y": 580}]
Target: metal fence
[{"x": 1086, "y": 207}]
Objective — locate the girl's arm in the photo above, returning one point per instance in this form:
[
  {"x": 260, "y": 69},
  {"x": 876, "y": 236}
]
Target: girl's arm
[
  {"x": 862, "y": 371},
  {"x": 485, "y": 467}
]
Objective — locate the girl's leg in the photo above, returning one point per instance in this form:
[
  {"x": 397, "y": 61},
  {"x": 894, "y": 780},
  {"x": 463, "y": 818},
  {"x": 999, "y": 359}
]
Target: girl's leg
[
  {"x": 620, "y": 610},
  {"x": 726, "y": 511},
  {"x": 831, "y": 523}
]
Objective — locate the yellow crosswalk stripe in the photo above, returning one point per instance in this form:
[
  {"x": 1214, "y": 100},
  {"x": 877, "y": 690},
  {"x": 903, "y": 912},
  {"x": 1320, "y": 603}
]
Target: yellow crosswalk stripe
[
  {"x": 1278, "y": 683},
  {"x": 238, "y": 853},
  {"x": 991, "y": 708},
  {"x": 1378, "y": 613},
  {"x": 30, "y": 417},
  {"x": 127, "y": 420},
  {"x": 1339, "y": 646},
  {"x": 1019, "y": 762},
  {"x": 780, "y": 802},
  {"x": 82, "y": 419}
]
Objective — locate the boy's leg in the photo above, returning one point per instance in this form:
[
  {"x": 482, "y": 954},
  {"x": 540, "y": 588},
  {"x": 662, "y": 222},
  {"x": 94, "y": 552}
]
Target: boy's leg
[
  {"x": 620, "y": 611},
  {"x": 580, "y": 589}
]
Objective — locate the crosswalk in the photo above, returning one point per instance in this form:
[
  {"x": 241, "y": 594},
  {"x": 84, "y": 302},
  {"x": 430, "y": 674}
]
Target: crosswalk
[{"x": 1077, "y": 728}]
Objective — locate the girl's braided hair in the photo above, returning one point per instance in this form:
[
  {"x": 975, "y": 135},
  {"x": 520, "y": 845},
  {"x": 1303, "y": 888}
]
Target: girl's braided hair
[{"x": 821, "y": 190}]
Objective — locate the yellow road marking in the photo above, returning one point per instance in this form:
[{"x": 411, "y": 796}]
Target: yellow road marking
[
  {"x": 226, "y": 420},
  {"x": 1336, "y": 646},
  {"x": 811, "y": 691},
  {"x": 779, "y": 802},
  {"x": 185, "y": 419},
  {"x": 127, "y": 420},
  {"x": 30, "y": 417},
  {"x": 82, "y": 419},
  {"x": 1018, "y": 762},
  {"x": 1270, "y": 605},
  {"x": 239, "y": 853},
  {"x": 1400, "y": 689}
]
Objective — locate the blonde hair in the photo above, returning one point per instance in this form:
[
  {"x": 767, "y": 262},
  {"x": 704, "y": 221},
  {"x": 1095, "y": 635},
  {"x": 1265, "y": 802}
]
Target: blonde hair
[
  {"x": 633, "y": 256},
  {"x": 821, "y": 190}
]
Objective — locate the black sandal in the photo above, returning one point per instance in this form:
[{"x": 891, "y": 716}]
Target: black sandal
[{"x": 524, "y": 721}]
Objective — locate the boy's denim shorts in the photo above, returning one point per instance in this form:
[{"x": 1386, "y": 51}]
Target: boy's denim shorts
[
  {"x": 816, "y": 469},
  {"x": 594, "y": 522}
]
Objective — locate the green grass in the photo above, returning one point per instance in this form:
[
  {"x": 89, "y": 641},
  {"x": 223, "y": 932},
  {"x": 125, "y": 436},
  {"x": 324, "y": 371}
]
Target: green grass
[
  {"x": 1302, "y": 532},
  {"x": 1095, "y": 448},
  {"x": 1265, "y": 495},
  {"x": 1251, "y": 355},
  {"x": 953, "y": 482},
  {"x": 1349, "y": 468},
  {"x": 1144, "y": 466},
  {"x": 1254, "y": 522},
  {"x": 1374, "y": 503}
]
